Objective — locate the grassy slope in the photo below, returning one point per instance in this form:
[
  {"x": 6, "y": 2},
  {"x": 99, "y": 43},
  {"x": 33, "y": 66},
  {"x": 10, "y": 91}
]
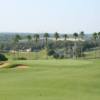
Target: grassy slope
[
  {"x": 52, "y": 80},
  {"x": 29, "y": 55},
  {"x": 43, "y": 55},
  {"x": 93, "y": 54}
]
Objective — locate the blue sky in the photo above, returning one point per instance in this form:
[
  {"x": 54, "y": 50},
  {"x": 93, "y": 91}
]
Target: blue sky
[{"x": 49, "y": 16}]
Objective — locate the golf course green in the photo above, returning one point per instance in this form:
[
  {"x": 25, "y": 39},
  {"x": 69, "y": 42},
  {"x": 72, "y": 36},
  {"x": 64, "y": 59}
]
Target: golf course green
[{"x": 51, "y": 80}]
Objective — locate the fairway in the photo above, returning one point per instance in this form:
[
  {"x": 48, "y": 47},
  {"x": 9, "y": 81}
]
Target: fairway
[{"x": 51, "y": 80}]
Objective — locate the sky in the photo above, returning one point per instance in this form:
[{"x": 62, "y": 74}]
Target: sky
[{"x": 63, "y": 16}]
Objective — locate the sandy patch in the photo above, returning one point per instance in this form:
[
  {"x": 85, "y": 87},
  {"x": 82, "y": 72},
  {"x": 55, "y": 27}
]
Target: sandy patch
[
  {"x": 21, "y": 66},
  {"x": 4, "y": 64}
]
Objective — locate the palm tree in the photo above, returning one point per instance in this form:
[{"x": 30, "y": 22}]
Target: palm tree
[
  {"x": 99, "y": 41},
  {"x": 36, "y": 38},
  {"x": 17, "y": 38},
  {"x": 95, "y": 36},
  {"x": 16, "y": 41},
  {"x": 46, "y": 36},
  {"x": 65, "y": 38},
  {"x": 99, "y": 35},
  {"x": 29, "y": 38},
  {"x": 75, "y": 35},
  {"x": 56, "y": 35},
  {"x": 81, "y": 35}
]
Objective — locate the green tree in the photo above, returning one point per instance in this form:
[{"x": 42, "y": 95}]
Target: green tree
[
  {"x": 95, "y": 36},
  {"x": 56, "y": 35},
  {"x": 46, "y": 36},
  {"x": 36, "y": 38},
  {"x": 99, "y": 35},
  {"x": 29, "y": 38},
  {"x": 17, "y": 38},
  {"x": 65, "y": 39},
  {"x": 65, "y": 36},
  {"x": 81, "y": 35},
  {"x": 75, "y": 36},
  {"x": 99, "y": 41}
]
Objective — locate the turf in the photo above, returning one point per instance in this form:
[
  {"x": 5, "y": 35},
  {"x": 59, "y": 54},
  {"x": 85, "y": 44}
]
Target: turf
[{"x": 51, "y": 80}]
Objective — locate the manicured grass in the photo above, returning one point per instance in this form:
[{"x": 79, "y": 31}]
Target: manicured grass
[{"x": 51, "y": 80}]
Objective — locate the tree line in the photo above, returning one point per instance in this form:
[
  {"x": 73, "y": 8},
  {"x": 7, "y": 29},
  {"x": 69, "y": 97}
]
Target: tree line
[{"x": 71, "y": 49}]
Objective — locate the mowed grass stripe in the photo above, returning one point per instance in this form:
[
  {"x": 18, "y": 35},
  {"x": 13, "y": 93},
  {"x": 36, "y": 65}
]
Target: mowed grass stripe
[{"x": 51, "y": 80}]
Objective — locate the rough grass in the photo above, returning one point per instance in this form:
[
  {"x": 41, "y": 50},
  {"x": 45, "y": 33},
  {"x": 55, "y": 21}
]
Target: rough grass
[
  {"x": 42, "y": 55},
  {"x": 51, "y": 80},
  {"x": 92, "y": 54},
  {"x": 28, "y": 55}
]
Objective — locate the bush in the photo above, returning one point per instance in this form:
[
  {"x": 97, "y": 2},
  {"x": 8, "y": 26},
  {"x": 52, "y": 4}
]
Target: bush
[
  {"x": 3, "y": 58},
  {"x": 51, "y": 52},
  {"x": 21, "y": 58},
  {"x": 61, "y": 57},
  {"x": 56, "y": 56}
]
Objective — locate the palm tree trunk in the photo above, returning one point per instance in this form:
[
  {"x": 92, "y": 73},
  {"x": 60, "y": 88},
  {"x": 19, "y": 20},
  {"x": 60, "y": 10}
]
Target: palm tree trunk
[
  {"x": 65, "y": 49},
  {"x": 74, "y": 49},
  {"x": 36, "y": 56},
  {"x": 95, "y": 50},
  {"x": 99, "y": 49},
  {"x": 80, "y": 46},
  {"x": 95, "y": 53},
  {"x": 46, "y": 49}
]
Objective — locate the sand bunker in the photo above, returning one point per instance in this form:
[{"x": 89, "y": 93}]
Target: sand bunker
[
  {"x": 21, "y": 66},
  {"x": 8, "y": 65},
  {"x": 4, "y": 64}
]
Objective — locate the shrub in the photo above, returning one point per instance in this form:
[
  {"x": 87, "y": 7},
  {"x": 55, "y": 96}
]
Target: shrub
[
  {"x": 51, "y": 52},
  {"x": 3, "y": 58},
  {"x": 21, "y": 58},
  {"x": 61, "y": 57},
  {"x": 56, "y": 56}
]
